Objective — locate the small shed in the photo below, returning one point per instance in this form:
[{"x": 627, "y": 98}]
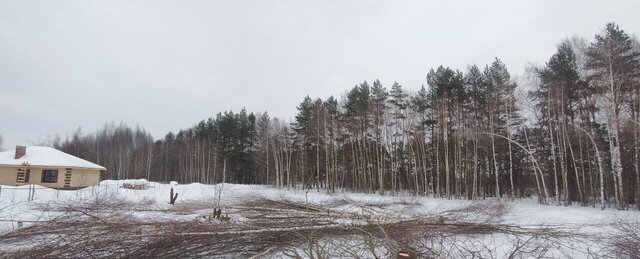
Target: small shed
[{"x": 47, "y": 167}]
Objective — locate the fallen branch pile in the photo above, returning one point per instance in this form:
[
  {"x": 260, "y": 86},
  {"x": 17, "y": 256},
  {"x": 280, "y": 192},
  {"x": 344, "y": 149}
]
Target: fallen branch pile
[{"x": 289, "y": 228}]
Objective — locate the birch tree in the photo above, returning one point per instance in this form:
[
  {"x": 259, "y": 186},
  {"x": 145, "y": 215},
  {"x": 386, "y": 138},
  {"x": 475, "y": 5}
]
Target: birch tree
[{"x": 613, "y": 65}]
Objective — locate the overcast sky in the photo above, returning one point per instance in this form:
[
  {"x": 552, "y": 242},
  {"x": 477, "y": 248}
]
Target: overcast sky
[{"x": 165, "y": 65}]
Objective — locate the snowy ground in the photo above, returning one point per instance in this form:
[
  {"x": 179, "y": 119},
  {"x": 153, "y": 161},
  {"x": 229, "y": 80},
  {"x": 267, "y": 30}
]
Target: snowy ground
[{"x": 264, "y": 222}]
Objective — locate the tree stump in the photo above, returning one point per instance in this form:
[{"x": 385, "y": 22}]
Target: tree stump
[{"x": 172, "y": 197}]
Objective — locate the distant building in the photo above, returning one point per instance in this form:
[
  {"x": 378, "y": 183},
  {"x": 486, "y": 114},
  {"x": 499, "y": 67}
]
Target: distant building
[{"x": 48, "y": 167}]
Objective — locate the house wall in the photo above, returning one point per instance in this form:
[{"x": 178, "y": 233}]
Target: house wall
[
  {"x": 8, "y": 175},
  {"x": 79, "y": 177},
  {"x": 83, "y": 178}
]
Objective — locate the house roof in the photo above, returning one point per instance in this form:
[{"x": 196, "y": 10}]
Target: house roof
[{"x": 46, "y": 156}]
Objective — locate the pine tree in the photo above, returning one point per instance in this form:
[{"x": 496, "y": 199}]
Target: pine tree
[
  {"x": 421, "y": 106},
  {"x": 264, "y": 134},
  {"x": 476, "y": 88},
  {"x": 503, "y": 114},
  {"x": 379, "y": 96},
  {"x": 447, "y": 91},
  {"x": 303, "y": 138},
  {"x": 399, "y": 102}
]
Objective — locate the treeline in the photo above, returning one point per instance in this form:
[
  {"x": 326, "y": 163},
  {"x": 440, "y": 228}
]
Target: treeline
[{"x": 465, "y": 135}]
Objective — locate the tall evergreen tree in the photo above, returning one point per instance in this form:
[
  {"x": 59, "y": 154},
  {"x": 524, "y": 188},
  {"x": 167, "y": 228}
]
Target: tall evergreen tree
[
  {"x": 379, "y": 96},
  {"x": 447, "y": 92},
  {"x": 476, "y": 87}
]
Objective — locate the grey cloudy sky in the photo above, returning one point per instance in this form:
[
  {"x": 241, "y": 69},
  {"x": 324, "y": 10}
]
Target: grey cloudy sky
[{"x": 166, "y": 65}]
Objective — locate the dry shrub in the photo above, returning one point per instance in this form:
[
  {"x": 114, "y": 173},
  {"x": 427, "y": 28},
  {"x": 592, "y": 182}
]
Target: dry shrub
[
  {"x": 479, "y": 212},
  {"x": 625, "y": 242},
  {"x": 263, "y": 202}
]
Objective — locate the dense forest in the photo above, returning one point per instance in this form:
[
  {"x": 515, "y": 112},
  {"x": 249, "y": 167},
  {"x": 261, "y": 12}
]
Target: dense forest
[{"x": 572, "y": 137}]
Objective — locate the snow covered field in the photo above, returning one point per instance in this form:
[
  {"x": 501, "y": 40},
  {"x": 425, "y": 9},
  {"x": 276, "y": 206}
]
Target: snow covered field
[{"x": 265, "y": 222}]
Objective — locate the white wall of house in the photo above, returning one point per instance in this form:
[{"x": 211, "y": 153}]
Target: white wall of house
[{"x": 79, "y": 177}]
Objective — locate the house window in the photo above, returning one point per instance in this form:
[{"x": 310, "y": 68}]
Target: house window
[
  {"x": 26, "y": 175},
  {"x": 49, "y": 176}
]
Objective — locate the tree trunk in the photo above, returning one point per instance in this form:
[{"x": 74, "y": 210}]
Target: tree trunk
[
  {"x": 445, "y": 132},
  {"x": 613, "y": 123},
  {"x": 495, "y": 161},
  {"x": 495, "y": 166},
  {"x": 474, "y": 191},
  {"x": 318, "y": 150},
  {"x": 575, "y": 166},
  {"x": 553, "y": 153}
]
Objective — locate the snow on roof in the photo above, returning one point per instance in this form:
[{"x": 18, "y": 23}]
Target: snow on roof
[{"x": 46, "y": 156}]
